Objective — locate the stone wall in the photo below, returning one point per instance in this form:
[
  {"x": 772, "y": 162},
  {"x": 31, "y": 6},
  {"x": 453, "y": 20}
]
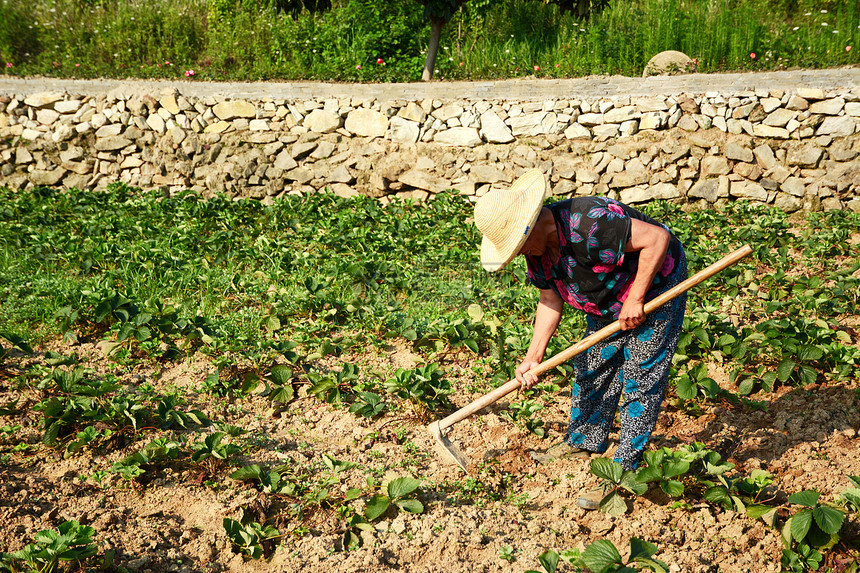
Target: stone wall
[{"x": 792, "y": 149}]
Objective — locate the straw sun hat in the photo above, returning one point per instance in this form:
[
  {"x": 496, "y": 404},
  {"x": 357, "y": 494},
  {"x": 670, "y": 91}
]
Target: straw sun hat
[{"x": 507, "y": 216}]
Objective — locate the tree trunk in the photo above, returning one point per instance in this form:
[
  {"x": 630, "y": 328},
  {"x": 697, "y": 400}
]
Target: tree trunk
[{"x": 433, "y": 49}]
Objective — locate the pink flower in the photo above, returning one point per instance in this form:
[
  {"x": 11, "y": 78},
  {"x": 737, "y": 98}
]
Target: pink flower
[
  {"x": 752, "y": 55},
  {"x": 357, "y": 66},
  {"x": 847, "y": 48},
  {"x": 189, "y": 73},
  {"x": 157, "y": 65},
  {"x": 166, "y": 63},
  {"x": 695, "y": 61},
  {"x": 558, "y": 65},
  {"x": 462, "y": 63},
  {"x": 537, "y": 68},
  {"x": 8, "y": 64},
  {"x": 379, "y": 61}
]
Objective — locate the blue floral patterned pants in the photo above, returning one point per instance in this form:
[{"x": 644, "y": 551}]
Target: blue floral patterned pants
[{"x": 634, "y": 363}]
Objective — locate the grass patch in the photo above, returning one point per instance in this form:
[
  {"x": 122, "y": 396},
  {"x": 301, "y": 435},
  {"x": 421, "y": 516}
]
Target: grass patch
[{"x": 366, "y": 41}]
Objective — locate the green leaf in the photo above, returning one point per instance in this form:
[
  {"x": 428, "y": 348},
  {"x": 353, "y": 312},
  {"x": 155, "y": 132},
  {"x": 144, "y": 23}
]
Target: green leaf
[
  {"x": 808, "y": 375},
  {"x": 649, "y": 474},
  {"x": 247, "y": 472},
  {"x": 771, "y": 517},
  {"x": 650, "y": 564},
  {"x": 402, "y": 486},
  {"x": 807, "y": 498},
  {"x": 283, "y": 395},
  {"x": 702, "y": 335},
  {"x": 410, "y": 505},
  {"x": 472, "y": 345},
  {"x": 641, "y": 549},
  {"x": 631, "y": 482},
  {"x": 767, "y": 380},
  {"x": 786, "y": 532},
  {"x": 351, "y": 541},
  {"x": 281, "y": 374},
  {"x": 808, "y": 353},
  {"x": 607, "y": 469},
  {"x": 757, "y": 510},
  {"x": 601, "y": 555},
  {"x": 785, "y": 369},
  {"x": 674, "y": 468},
  {"x": 549, "y": 560},
  {"x": 673, "y": 488},
  {"x": 817, "y": 538},
  {"x": 828, "y": 519},
  {"x": 613, "y": 504},
  {"x": 476, "y": 313},
  {"x": 685, "y": 388},
  {"x": 800, "y": 524},
  {"x": 746, "y": 386},
  {"x": 272, "y": 323},
  {"x": 376, "y": 506}
]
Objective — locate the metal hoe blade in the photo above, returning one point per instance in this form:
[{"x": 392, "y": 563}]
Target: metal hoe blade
[{"x": 449, "y": 448}]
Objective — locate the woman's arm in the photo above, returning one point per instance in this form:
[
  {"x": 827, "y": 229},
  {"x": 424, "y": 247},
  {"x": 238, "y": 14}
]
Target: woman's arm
[
  {"x": 652, "y": 242},
  {"x": 547, "y": 317}
]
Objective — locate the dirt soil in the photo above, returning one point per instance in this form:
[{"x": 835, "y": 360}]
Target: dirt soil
[{"x": 807, "y": 438}]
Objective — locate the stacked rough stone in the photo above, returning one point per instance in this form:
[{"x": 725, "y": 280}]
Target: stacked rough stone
[{"x": 792, "y": 150}]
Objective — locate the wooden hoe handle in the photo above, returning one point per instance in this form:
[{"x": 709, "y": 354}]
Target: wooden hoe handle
[{"x": 593, "y": 339}]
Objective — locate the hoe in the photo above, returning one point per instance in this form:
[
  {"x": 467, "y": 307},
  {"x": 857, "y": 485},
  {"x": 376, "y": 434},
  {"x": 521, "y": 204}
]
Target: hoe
[{"x": 439, "y": 428}]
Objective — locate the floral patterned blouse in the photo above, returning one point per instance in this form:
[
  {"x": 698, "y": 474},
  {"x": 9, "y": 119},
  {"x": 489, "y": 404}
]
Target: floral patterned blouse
[{"x": 592, "y": 271}]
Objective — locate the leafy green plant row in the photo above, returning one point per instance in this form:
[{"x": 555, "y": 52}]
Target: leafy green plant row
[
  {"x": 603, "y": 557},
  {"x": 298, "y": 495},
  {"x": 807, "y": 526},
  {"x": 82, "y": 410},
  {"x": 69, "y": 547},
  {"x": 281, "y": 286}
]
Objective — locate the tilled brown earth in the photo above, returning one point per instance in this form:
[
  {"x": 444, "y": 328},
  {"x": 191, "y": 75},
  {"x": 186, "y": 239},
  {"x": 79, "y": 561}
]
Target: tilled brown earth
[{"x": 173, "y": 522}]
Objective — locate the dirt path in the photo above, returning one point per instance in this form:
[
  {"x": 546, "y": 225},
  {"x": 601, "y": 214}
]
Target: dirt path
[{"x": 515, "y": 89}]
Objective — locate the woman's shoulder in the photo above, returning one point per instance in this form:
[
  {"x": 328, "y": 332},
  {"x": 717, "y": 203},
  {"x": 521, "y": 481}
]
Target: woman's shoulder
[{"x": 581, "y": 204}]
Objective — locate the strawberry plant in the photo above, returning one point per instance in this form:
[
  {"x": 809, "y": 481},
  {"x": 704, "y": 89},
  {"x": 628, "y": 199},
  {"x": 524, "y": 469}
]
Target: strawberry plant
[
  {"x": 213, "y": 451},
  {"x": 522, "y": 413},
  {"x": 168, "y": 416},
  {"x": 159, "y": 449},
  {"x": 269, "y": 481},
  {"x": 603, "y": 557},
  {"x": 851, "y": 496},
  {"x": 252, "y": 539},
  {"x": 71, "y": 543},
  {"x": 90, "y": 437},
  {"x": 398, "y": 492},
  {"x": 424, "y": 387},
  {"x": 278, "y": 384},
  {"x": 16, "y": 342},
  {"x": 615, "y": 482},
  {"x": 332, "y": 387},
  {"x": 367, "y": 405},
  {"x": 810, "y": 529},
  {"x": 661, "y": 467}
]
